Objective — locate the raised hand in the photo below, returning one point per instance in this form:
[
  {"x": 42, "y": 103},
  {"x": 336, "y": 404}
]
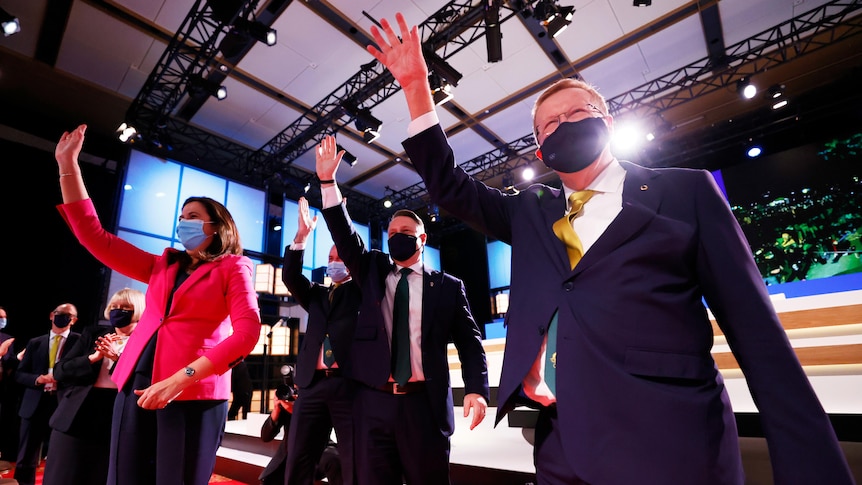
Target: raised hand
[
  {"x": 401, "y": 55},
  {"x": 327, "y": 157},
  {"x": 306, "y": 222},
  {"x": 69, "y": 147}
]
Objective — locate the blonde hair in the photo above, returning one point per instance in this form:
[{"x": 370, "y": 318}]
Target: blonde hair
[
  {"x": 130, "y": 297},
  {"x": 595, "y": 98}
]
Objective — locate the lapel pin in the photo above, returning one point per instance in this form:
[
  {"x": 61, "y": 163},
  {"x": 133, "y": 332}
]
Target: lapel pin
[{"x": 644, "y": 187}]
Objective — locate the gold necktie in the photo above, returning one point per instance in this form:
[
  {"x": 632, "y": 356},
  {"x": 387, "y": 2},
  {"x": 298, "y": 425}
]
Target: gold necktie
[
  {"x": 563, "y": 227},
  {"x": 52, "y": 355}
]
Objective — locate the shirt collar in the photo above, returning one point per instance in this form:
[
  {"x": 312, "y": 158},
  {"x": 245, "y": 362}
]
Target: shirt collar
[{"x": 610, "y": 180}]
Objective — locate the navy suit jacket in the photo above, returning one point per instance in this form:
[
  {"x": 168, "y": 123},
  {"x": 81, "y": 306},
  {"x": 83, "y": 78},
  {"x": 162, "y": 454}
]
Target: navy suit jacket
[
  {"x": 639, "y": 396},
  {"x": 35, "y": 364},
  {"x": 338, "y": 318},
  {"x": 445, "y": 314}
]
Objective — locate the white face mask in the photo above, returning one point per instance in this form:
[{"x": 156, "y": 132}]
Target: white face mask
[{"x": 337, "y": 271}]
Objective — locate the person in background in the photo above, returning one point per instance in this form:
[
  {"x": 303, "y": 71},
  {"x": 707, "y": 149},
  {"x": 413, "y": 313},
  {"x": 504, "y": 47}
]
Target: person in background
[
  {"x": 328, "y": 466},
  {"x": 9, "y": 390},
  {"x": 325, "y": 397},
  {"x": 404, "y": 407},
  {"x": 202, "y": 318},
  {"x": 81, "y": 436},
  {"x": 241, "y": 391},
  {"x": 36, "y": 374},
  {"x": 632, "y": 393}
]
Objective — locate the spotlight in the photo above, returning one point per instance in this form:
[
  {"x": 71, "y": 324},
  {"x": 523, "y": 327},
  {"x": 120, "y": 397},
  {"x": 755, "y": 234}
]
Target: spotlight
[
  {"x": 433, "y": 212},
  {"x": 441, "y": 67},
  {"x": 775, "y": 91},
  {"x": 256, "y": 30},
  {"x": 754, "y": 151},
  {"x": 440, "y": 89},
  {"x": 9, "y": 23},
  {"x": 642, "y": 3},
  {"x": 745, "y": 88},
  {"x": 368, "y": 125},
  {"x": 387, "y": 202},
  {"x": 493, "y": 36},
  {"x": 779, "y": 104},
  {"x": 127, "y": 133},
  {"x": 561, "y": 21},
  {"x": 348, "y": 157},
  {"x": 200, "y": 86}
]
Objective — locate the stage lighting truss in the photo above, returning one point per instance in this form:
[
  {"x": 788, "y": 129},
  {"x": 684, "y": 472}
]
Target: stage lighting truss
[{"x": 554, "y": 17}]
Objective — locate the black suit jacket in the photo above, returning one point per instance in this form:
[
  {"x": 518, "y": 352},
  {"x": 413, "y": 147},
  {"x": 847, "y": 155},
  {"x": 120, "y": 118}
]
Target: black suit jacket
[
  {"x": 338, "y": 318},
  {"x": 35, "y": 364},
  {"x": 76, "y": 375},
  {"x": 445, "y": 314}
]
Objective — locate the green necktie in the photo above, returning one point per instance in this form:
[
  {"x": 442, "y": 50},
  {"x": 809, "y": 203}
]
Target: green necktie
[
  {"x": 564, "y": 230},
  {"x": 401, "y": 371},
  {"x": 52, "y": 356}
]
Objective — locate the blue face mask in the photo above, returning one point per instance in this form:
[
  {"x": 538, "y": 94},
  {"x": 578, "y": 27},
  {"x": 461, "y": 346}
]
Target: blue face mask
[
  {"x": 2, "y": 323},
  {"x": 337, "y": 271},
  {"x": 191, "y": 233}
]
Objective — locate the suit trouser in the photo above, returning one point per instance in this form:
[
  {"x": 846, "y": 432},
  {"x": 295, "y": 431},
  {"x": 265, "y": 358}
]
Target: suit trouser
[
  {"x": 172, "y": 446},
  {"x": 399, "y": 440},
  {"x": 327, "y": 402},
  {"x": 34, "y": 432}
]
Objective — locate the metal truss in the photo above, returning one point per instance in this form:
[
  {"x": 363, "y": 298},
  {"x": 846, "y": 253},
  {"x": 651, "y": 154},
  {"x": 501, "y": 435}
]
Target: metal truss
[{"x": 801, "y": 35}]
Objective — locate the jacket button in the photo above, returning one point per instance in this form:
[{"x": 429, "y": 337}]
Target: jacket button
[{"x": 569, "y": 286}]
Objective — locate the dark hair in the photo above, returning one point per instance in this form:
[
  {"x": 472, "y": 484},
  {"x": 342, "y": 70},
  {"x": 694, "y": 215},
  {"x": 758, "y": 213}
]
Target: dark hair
[
  {"x": 226, "y": 238},
  {"x": 409, "y": 214}
]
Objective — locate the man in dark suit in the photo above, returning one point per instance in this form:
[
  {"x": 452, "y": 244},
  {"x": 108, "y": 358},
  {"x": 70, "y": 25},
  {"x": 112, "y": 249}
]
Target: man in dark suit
[
  {"x": 8, "y": 392},
  {"x": 329, "y": 465},
  {"x": 36, "y": 374},
  {"x": 405, "y": 415},
  {"x": 637, "y": 396},
  {"x": 325, "y": 396}
]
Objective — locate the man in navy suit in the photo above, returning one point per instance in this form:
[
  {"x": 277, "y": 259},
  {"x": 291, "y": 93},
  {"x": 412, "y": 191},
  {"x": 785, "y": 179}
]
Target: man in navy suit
[
  {"x": 637, "y": 397},
  {"x": 403, "y": 428},
  {"x": 325, "y": 395},
  {"x": 36, "y": 374}
]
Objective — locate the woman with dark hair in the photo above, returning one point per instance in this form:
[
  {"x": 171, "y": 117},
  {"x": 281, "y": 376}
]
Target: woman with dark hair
[{"x": 202, "y": 318}]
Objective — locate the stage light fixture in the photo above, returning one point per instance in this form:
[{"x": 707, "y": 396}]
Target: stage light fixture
[
  {"x": 127, "y": 133},
  {"x": 433, "y": 212},
  {"x": 256, "y": 30},
  {"x": 554, "y": 17},
  {"x": 9, "y": 23},
  {"x": 442, "y": 68},
  {"x": 642, "y": 3},
  {"x": 440, "y": 89},
  {"x": 493, "y": 35},
  {"x": 200, "y": 86},
  {"x": 779, "y": 104},
  {"x": 387, "y": 198},
  {"x": 745, "y": 88},
  {"x": 347, "y": 157},
  {"x": 775, "y": 91},
  {"x": 368, "y": 125}
]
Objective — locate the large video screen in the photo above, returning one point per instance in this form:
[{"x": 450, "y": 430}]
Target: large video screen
[{"x": 801, "y": 210}]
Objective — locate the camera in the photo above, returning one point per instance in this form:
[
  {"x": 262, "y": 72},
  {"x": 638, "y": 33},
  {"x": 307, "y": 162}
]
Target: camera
[{"x": 286, "y": 390}]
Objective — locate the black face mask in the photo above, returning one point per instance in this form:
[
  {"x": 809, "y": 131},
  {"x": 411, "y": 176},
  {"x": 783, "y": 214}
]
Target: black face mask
[
  {"x": 575, "y": 145},
  {"x": 402, "y": 246},
  {"x": 62, "y": 320},
  {"x": 121, "y": 318}
]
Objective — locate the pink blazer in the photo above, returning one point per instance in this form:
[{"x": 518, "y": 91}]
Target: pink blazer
[{"x": 214, "y": 313}]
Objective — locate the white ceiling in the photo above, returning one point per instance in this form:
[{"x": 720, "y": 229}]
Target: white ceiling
[{"x": 614, "y": 45}]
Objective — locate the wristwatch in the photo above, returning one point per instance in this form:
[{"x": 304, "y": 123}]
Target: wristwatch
[{"x": 189, "y": 371}]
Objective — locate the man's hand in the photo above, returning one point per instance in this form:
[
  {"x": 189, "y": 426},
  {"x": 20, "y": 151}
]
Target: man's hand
[
  {"x": 327, "y": 157},
  {"x": 5, "y": 346},
  {"x": 402, "y": 56},
  {"x": 306, "y": 222},
  {"x": 479, "y": 406}
]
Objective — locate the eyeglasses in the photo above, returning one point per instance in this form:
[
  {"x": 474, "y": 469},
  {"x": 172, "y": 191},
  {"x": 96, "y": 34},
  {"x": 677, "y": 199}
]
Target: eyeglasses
[{"x": 554, "y": 123}]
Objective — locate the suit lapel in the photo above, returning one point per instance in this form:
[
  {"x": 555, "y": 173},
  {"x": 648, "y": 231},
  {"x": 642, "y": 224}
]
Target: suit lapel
[
  {"x": 431, "y": 293},
  {"x": 640, "y": 204}
]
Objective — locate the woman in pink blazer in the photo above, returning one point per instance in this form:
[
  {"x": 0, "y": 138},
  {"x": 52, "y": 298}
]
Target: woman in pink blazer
[{"x": 201, "y": 318}]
